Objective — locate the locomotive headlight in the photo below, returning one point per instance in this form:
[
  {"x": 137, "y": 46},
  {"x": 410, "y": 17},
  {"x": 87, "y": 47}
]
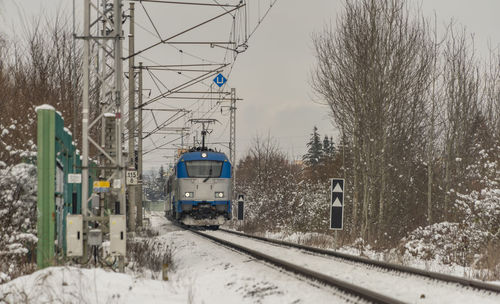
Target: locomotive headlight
[
  {"x": 219, "y": 194},
  {"x": 189, "y": 194},
  {"x": 203, "y": 155}
]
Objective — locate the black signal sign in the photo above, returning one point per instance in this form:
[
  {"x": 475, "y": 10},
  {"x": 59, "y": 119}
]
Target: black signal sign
[
  {"x": 337, "y": 203},
  {"x": 241, "y": 204}
]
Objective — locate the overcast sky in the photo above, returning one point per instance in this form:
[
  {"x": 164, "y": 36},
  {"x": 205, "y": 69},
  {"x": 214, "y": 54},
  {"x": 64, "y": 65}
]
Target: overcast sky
[{"x": 273, "y": 75}]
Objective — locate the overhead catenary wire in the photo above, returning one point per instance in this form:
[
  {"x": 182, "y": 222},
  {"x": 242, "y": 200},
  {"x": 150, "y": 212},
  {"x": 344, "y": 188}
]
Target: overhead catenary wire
[
  {"x": 182, "y": 32},
  {"x": 221, "y": 6},
  {"x": 172, "y": 46},
  {"x": 236, "y": 33},
  {"x": 150, "y": 20},
  {"x": 271, "y": 4},
  {"x": 185, "y": 3},
  {"x": 205, "y": 114}
]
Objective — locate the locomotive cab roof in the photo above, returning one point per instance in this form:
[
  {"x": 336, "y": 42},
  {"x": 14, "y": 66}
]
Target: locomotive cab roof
[{"x": 203, "y": 155}]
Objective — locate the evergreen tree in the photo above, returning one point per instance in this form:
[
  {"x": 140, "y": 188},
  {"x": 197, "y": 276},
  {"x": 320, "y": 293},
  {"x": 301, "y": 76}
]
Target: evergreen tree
[
  {"x": 315, "y": 149},
  {"x": 161, "y": 182},
  {"x": 161, "y": 173},
  {"x": 328, "y": 148}
]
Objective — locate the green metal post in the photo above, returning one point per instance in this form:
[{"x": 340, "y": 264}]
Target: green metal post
[{"x": 46, "y": 164}]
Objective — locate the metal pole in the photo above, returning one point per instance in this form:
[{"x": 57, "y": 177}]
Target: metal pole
[
  {"x": 131, "y": 119},
  {"x": 139, "y": 151},
  {"x": 75, "y": 95},
  {"x": 232, "y": 138},
  {"x": 102, "y": 103},
  {"x": 75, "y": 103},
  {"x": 117, "y": 14},
  {"x": 182, "y": 139},
  {"x": 85, "y": 121}
]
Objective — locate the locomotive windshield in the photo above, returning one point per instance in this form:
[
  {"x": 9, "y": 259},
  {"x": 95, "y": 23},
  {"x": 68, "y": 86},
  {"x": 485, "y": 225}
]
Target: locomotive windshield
[{"x": 203, "y": 168}]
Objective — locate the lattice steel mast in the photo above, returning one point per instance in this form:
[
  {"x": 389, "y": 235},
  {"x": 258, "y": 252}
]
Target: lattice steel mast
[{"x": 105, "y": 40}]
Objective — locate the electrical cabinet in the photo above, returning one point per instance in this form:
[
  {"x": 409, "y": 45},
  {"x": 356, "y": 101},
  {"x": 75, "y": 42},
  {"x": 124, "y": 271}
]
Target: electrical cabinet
[
  {"x": 118, "y": 235},
  {"x": 95, "y": 237},
  {"x": 74, "y": 235}
]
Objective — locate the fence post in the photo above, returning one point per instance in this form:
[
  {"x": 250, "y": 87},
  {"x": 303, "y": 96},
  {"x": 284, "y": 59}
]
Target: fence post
[{"x": 46, "y": 162}]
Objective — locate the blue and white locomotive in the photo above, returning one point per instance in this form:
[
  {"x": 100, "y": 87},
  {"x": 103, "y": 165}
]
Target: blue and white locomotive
[{"x": 199, "y": 189}]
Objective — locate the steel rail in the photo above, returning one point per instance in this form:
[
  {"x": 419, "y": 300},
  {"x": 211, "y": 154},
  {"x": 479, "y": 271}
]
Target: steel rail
[
  {"x": 395, "y": 267},
  {"x": 352, "y": 289}
]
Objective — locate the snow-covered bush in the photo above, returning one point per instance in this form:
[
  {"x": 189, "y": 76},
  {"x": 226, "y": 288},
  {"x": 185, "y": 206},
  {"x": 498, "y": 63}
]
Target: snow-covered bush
[
  {"x": 18, "y": 207},
  {"x": 481, "y": 210},
  {"x": 282, "y": 200},
  {"x": 284, "y": 195},
  {"x": 445, "y": 242},
  {"x": 468, "y": 242},
  {"x": 473, "y": 239}
]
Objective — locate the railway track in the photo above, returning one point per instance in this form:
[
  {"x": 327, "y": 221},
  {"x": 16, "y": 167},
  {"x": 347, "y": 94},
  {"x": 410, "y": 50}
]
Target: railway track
[
  {"x": 394, "y": 267},
  {"x": 405, "y": 276},
  {"x": 352, "y": 289}
]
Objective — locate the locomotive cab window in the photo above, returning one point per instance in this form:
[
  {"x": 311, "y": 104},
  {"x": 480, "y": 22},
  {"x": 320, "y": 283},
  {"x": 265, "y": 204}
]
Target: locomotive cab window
[{"x": 204, "y": 168}]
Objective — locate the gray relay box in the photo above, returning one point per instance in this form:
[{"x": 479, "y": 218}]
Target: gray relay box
[{"x": 95, "y": 237}]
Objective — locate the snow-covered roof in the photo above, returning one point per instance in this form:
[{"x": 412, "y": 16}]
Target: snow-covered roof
[{"x": 44, "y": 107}]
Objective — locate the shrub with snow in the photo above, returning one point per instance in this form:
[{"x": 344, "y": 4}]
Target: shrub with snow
[
  {"x": 481, "y": 211},
  {"x": 468, "y": 242},
  {"x": 448, "y": 243},
  {"x": 474, "y": 238},
  {"x": 18, "y": 207}
]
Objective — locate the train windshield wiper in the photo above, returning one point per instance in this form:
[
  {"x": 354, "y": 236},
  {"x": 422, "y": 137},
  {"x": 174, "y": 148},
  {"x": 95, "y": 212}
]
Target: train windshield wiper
[{"x": 209, "y": 175}]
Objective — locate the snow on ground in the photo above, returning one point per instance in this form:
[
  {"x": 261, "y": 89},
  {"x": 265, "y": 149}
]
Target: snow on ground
[
  {"x": 202, "y": 272},
  {"x": 405, "y": 287},
  {"x": 76, "y": 285},
  {"x": 213, "y": 274},
  {"x": 390, "y": 256}
]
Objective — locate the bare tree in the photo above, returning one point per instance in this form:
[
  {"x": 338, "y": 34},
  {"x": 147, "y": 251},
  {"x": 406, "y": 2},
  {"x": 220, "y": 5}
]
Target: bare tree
[
  {"x": 491, "y": 93},
  {"x": 433, "y": 107},
  {"x": 270, "y": 181},
  {"x": 372, "y": 72},
  {"x": 461, "y": 93},
  {"x": 39, "y": 68}
]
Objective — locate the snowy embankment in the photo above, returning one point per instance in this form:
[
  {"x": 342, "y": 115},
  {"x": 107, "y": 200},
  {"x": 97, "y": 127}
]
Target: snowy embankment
[
  {"x": 394, "y": 255},
  {"x": 201, "y": 272},
  {"x": 403, "y": 286},
  {"x": 78, "y": 285}
]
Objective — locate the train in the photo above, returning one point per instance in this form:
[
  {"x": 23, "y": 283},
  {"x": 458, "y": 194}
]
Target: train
[{"x": 199, "y": 189}]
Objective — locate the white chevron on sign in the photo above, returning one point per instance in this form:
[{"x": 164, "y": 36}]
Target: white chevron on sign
[
  {"x": 337, "y": 203},
  {"x": 337, "y": 188}
]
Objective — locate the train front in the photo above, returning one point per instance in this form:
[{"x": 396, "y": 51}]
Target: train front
[{"x": 204, "y": 189}]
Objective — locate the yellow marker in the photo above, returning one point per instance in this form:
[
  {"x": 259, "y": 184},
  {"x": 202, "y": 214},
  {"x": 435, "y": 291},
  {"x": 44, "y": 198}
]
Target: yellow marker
[{"x": 101, "y": 184}]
